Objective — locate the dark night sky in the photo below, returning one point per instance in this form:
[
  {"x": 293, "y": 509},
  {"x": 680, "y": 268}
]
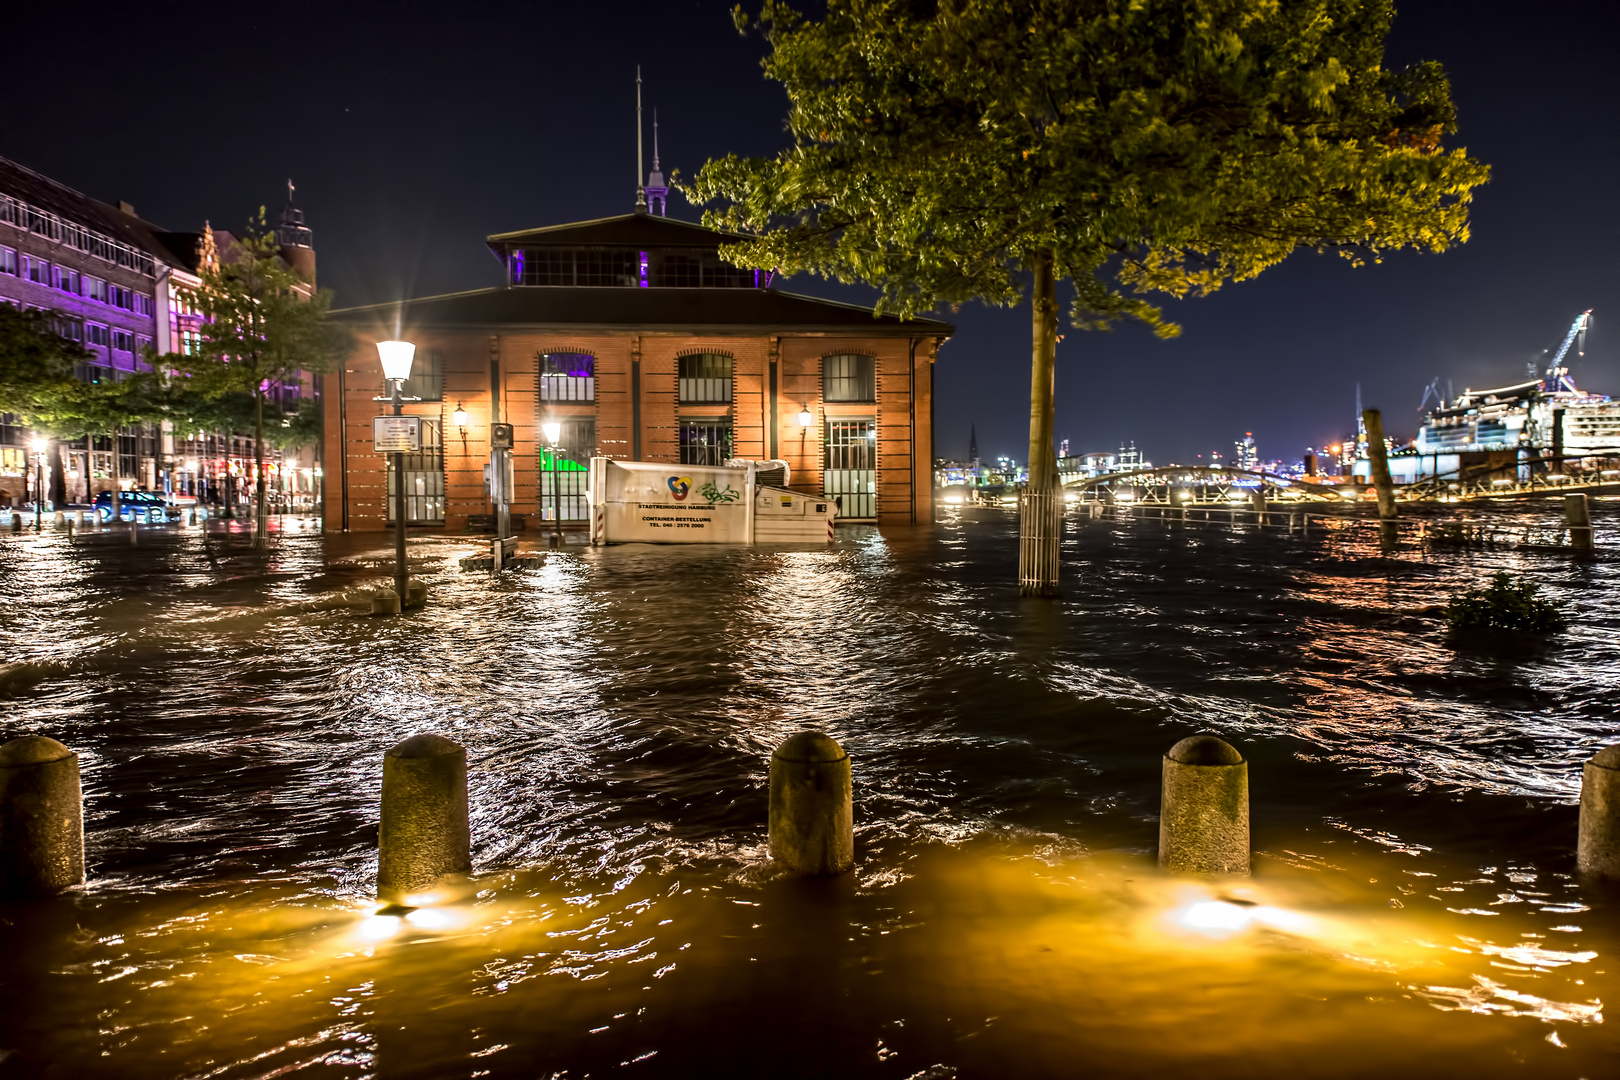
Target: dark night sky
[{"x": 412, "y": 132}]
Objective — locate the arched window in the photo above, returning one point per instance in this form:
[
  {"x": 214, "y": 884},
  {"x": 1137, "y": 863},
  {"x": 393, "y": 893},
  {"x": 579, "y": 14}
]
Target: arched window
[
  {"x": 705, "y": 379},
  {"x": 567, "y": 376},
  {"x": 849, "y": 377}
]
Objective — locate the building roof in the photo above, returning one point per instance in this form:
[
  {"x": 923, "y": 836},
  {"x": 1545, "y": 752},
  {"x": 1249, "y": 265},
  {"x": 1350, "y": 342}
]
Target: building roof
[
  {"x": 74, "y": 206},
  {"x": 622, "y": 230},
  {"x": 624, "y": 309}
]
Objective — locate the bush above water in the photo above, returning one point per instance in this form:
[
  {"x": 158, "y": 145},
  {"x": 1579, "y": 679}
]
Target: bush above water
[{"x": 1506, "y": 604}]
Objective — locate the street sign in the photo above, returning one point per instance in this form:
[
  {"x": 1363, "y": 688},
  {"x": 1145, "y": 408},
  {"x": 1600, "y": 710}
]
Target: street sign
[
  {"x": 396, "y": 434},
  {"x": 500, "y": 436}
]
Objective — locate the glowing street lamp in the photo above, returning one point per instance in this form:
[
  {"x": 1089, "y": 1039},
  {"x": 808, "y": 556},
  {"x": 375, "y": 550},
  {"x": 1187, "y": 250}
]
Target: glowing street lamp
[
  {"x": 396, "y": 357},
  {"x": 38, "y": 446}
]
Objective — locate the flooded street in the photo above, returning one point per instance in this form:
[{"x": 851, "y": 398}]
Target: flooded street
[{"x": 1413, "y": 908}]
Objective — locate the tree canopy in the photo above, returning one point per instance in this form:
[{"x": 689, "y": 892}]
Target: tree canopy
[
  {"x": 1151, "y": 145},
  {"x": 941, "y": 149},
  {"x": 39, "y": 385},
  {"x": 265, "y": 325}
]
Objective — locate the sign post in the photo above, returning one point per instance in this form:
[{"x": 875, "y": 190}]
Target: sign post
[
  {"x": 500, "y": 473},
  {"x": 396, "y": 434}
]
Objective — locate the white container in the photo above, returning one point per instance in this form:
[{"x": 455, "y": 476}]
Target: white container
[{"x": 645, "y": 502}]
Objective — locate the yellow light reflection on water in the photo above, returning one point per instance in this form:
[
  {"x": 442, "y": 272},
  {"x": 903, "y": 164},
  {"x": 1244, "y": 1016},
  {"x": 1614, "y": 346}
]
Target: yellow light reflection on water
[{"x": 1031, "y": 962}]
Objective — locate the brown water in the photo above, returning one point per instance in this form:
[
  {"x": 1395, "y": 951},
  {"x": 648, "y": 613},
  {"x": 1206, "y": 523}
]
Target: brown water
[{"x": 1413, "y": 909}]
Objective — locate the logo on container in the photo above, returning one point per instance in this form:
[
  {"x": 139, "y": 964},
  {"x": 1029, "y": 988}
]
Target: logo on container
[{"x": 680, "y": 487}]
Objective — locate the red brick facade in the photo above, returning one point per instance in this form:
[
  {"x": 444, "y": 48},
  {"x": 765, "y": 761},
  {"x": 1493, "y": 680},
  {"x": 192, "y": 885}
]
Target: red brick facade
[{"x": 764, "y": 425}]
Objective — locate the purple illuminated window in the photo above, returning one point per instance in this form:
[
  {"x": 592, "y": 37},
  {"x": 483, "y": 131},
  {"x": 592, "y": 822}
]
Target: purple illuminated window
[
  {"x": 643, "y": 269},
  {"x": 567, "y": 377},
  {"x": 517, "y": 267}
]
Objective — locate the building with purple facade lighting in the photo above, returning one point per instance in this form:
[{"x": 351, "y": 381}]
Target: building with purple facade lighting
[{"x": 119, "y": 285}]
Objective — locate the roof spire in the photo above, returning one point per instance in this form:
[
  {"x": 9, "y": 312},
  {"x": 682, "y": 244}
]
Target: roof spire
[
  {"x": 641, "y": 191},
  {"x": 657, "y": 191}
]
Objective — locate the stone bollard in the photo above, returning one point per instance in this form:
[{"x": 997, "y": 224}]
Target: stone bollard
[
  {"x": 193, "y": 519},
  {"x": 1578, "y": 518},
  {"x": 16, "y": 522},
  {"x": 812, "y": 815},
  {"x": 385, "y": 603},
  {"x": 41, "y": 817},
  {"x": 59, "y": 520},
  {"x": 415, "y": 594},
  {"x": 1204, "y": 812},
  {"x": 1597, "y": 851},
  {"x": 424, "y": 835}
]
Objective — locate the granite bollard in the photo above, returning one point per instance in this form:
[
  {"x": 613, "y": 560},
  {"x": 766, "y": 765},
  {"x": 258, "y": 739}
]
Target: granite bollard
[
  {"x": 1204, "y": 812},
  {"x": 385, "y": 602},
  {"x": 424, "y": 835},
  {"x": 415, "y": 594},
  {"x": 1597, "y": 851},
  {"x": 41, "y": 817},
  {"x": 812, "y": 815}
]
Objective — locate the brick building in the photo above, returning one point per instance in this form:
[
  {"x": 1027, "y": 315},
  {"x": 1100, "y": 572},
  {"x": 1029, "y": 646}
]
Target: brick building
[{"x": 643, "y": 344}]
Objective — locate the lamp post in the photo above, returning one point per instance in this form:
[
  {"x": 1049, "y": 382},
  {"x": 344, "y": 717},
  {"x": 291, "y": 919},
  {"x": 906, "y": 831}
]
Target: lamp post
[
  {"x": 396, "y": 357},
  {"x": 39, "y": 479},
  {"x": 553, "y": 434}
]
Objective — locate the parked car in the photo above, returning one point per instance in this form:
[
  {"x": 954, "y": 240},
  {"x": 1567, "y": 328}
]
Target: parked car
[{"x": 133, "y": 506}]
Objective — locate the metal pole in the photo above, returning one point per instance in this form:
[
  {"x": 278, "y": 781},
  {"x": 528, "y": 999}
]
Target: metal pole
[
  {"x": 39, "y": 488},
  {"x": 400, "y": 574},
  {"x": 556, "y": 500}
]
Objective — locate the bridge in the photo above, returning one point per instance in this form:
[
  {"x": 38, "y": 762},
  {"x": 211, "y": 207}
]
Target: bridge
[
  {"x": 1204, "y": 484},
  {"x": 1595, "y": 473}
]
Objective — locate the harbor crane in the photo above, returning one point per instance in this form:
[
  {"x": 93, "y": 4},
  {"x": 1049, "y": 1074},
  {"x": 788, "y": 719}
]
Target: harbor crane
[{"x": 1557, "y": 376}]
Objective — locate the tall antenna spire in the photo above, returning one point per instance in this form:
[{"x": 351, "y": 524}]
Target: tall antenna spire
[
  {"x": 657, "y": 191},
  {"x": 641, "y": 191}
]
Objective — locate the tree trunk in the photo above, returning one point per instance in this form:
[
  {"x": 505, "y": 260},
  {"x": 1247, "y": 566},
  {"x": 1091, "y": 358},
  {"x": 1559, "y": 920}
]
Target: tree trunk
[
  {"x": 261, "y": 523},
  {"x": 58, "y": 481},
  {"x": 1040, "y": 506},
  {"x": 116, "y": 501}
]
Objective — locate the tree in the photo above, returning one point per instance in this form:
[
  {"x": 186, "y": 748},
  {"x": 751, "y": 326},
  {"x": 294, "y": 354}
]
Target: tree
[
  {"x": 39, "y": 384},
  {"x": 265, "y": 325},
  {"x": 950, "y": 150}
]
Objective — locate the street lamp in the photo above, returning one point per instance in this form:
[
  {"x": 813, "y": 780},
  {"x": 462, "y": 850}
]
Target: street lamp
[
  {"x": 553, "y": 434},
  {"x": 396, "y": 357},
  {"x": 459, "y": 418},
  {"x": 38, "y": 446}
]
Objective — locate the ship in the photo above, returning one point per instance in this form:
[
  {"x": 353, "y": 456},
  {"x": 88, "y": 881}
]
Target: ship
[{"x": 1546, "y": 417}]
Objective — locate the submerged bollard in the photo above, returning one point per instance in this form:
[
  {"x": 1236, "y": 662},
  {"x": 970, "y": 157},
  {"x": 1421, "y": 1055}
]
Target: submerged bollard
[
  {"x": 41, "y": 817},
  {"x": 1204, "y": 811},
  {"x": 385, "y": 603},
  {"x": 1597, "y": 851},
  {"x": 415, "y": 595},
  {"x": 424, "y": 835},
  {"x": 16, "y": 522},
  {"x": 812, "y": 816},
  {"x": 1578, "y": 519}
]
